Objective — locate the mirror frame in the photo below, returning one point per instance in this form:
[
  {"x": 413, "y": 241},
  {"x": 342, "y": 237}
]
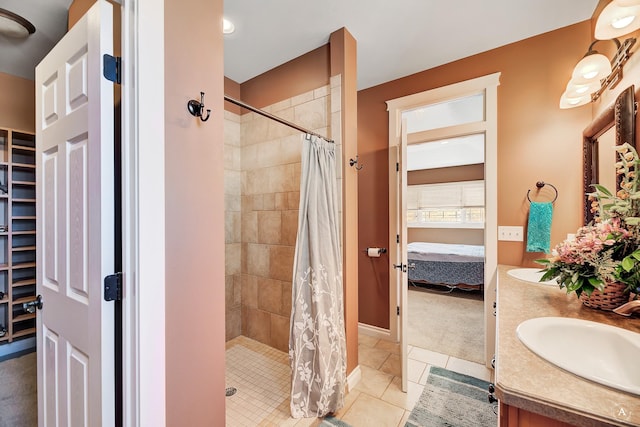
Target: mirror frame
[{"x": 622, "y": 115}]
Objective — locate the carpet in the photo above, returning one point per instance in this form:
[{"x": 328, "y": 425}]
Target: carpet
[
  {"x": 451, "y": 399},
  {"x": 451, "y": 323},
  {"x": 18, "y": 396}
]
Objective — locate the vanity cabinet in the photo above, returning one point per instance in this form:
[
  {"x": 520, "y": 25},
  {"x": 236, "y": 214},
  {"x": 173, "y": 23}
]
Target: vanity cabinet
[
  {"x": 534, "y": 392},
  {"x": 17, "y": 233},
  {"x": 511, "y": 416}
]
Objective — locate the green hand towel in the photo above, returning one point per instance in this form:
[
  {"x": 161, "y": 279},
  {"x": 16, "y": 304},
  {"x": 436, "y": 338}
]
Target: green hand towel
[{"x": 539, "y": 228}]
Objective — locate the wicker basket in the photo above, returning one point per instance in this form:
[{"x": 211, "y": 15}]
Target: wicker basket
[{"x": 613, "y": 296}]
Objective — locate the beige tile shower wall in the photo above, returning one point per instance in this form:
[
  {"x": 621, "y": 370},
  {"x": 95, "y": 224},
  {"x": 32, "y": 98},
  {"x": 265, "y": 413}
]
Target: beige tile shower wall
[
  {"x": 233, "y": 234},
  {"x": 336, "y": 133},
  {"x": 270, "y": 160}
]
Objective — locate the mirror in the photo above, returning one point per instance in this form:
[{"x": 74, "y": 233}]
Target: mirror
[{"x": 614, "y": 126}]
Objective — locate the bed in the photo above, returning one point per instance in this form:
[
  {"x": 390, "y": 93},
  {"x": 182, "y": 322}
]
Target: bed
[{"x": 450, "y": 265}]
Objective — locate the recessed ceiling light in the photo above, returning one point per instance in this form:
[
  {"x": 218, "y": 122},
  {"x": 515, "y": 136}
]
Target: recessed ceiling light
[
  {"x": 227, "y": 26},
  {"x": 13, "y": 25}
]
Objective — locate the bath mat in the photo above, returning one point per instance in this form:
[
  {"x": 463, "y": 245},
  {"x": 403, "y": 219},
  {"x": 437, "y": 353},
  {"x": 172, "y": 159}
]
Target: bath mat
[
  {"x": 454, "y": 400},
  {"x": 333, "y": 422}
]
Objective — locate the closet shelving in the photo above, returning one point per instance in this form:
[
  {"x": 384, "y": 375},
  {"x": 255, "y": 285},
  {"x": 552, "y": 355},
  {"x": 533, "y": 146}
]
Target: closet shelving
[{"x": 17, "y": 233}]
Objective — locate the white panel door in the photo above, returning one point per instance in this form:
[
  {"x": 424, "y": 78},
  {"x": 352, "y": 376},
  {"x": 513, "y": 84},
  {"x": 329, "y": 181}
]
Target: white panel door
[{"x": 75, "y": 222}]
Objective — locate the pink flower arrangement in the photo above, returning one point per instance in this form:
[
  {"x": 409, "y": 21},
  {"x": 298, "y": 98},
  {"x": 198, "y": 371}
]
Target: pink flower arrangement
[
  {"x": 606, "y": 250},
  {"x": 590, "y": 242}
]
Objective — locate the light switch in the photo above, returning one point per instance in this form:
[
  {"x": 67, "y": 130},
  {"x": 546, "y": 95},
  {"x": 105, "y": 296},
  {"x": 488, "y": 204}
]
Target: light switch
[{"x": 511, "y": 233}]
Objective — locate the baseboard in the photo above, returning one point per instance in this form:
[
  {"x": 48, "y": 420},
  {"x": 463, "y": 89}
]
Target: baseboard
[
  {"x": 17, "y": 348},
  {"x": 354, "y": 378},
  {"x": 374, "y": 331}
]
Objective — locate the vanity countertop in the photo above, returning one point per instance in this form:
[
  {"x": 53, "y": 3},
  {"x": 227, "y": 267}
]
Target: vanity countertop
[{"x": 529, "y": 382}]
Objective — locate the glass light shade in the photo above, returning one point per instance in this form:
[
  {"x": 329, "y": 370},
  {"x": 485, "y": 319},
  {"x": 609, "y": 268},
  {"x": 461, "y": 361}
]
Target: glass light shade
[
  {"x": 568, "y": 102},
  {"x": 616, "y": 20},
  {"x": 591, "y": 68},
  {"x": 627, "y": 3},
  {"x": 577, "y": 90}
]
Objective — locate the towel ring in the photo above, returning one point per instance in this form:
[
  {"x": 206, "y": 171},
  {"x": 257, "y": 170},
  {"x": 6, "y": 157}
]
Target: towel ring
[{"x": 541, "y": 184}]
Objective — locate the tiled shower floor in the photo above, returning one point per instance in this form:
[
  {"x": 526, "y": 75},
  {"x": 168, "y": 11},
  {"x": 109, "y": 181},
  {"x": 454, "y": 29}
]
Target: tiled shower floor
[{"x": 261, "y": 375}]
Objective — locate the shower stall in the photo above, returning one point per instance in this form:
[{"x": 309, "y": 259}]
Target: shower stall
[{"x": 262, "y": 195}]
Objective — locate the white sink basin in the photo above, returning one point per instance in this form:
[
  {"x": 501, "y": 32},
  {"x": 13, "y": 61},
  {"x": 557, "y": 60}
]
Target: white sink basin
[
  {"x": 601, "y": 353},
  {"x": 532, "y": 275}
]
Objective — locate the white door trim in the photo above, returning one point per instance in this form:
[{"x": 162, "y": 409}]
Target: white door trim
[
  {"x": 396, "y": 107},
  {"x": 143, "y": 213}
]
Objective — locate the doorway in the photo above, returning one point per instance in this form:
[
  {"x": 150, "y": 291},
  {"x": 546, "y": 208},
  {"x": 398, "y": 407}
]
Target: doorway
[
  {"x": 486, "y": 125},
  {"x": 445, "y": 240}
]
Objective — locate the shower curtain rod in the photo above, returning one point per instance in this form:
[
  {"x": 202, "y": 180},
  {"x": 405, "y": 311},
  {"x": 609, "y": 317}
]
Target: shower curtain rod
[{"x": 272, "y": 117}]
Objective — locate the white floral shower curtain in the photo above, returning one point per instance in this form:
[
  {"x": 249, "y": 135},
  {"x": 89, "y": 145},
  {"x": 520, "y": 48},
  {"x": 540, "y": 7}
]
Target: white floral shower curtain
[{"x": 317, "y": 348}]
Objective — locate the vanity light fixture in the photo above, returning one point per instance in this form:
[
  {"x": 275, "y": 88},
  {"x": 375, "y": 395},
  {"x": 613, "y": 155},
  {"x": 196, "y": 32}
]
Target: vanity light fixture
[
  {"x": 618, "y": 18},
  {"x": 595, "y": 73},
  {"x": 592, "y": 67},
  {"x": 15, "y": 26},
  {"x": 571, "y": 102},
  {"x": 626, "y": 3}
]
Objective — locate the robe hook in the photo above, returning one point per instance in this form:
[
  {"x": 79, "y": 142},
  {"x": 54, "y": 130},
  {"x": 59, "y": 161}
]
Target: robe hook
[
  {"x": 196, "y": 108},
  {"x": 355, "y": 163}
]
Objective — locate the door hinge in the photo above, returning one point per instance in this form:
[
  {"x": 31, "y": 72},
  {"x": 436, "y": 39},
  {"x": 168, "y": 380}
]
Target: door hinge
[
  {"x": 398, "y": 310},
  {"x": 113, "y": 287},
  {"x": 397, "y": 167},
  {"x": 397, "y": 238},
  {"x": 112, "y": 69}
]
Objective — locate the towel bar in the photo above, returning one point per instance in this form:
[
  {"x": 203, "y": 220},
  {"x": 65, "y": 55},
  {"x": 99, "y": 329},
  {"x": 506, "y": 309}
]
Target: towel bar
[{"x": 541, "y": 184}]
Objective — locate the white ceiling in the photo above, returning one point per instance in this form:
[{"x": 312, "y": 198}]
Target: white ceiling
[{"x": 394, "y": 38}]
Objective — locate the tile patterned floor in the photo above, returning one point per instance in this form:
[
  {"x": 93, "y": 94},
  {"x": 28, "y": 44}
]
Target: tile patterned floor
[{"x": 262, "y": 400}]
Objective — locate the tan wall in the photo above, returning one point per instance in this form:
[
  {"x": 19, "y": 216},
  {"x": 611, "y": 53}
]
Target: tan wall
[
  {"x": 232, "y": 89},
  {"x": 17, "y": 103},
  {"x": 536, "y": 141},
  {"x": 446, "y": 235},
  {"x": 300, "y": 75},
  {"x": 452, "y": 174},
  {"x": 79, "y": 7},
  {"x": 344, "y": 113},
  {"x": 195, "y": 239}
]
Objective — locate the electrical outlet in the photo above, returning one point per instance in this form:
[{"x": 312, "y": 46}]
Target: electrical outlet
[{"x": 510, "y": 233}]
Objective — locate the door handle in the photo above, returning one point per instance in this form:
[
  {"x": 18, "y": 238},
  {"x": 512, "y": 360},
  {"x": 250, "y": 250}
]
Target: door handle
[
  {"x": 30, "y": 307},
  {"x": 402, "y": 267}
]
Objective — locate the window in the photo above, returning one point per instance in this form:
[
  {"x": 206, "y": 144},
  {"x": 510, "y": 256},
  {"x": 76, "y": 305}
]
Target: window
[
  {"x": 448, "y": 205},
  {"x": 454, "y": 112}
]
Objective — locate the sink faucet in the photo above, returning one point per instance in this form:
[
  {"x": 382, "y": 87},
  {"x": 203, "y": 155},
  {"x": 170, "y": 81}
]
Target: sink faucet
[{"x": 628, "y": 308}]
